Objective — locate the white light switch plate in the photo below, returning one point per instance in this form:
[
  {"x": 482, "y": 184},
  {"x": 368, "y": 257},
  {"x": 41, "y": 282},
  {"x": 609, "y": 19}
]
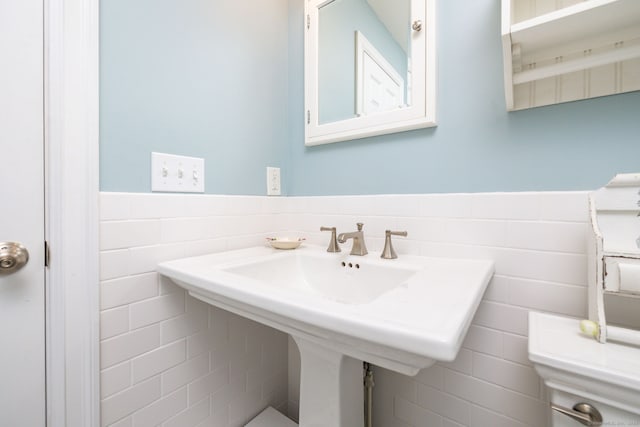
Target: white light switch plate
[
  {"x": 177, "y": 174},
  {"x": 273, "y": 181}
]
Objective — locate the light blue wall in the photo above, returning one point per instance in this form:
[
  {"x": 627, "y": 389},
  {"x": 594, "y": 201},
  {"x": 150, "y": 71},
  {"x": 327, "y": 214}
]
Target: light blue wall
[
  {"x": 336, "y": 54},
  {"x": 205, "y": 78},
  {"x": 477, "y": 145},
  {"x": 223, "y": 79}
]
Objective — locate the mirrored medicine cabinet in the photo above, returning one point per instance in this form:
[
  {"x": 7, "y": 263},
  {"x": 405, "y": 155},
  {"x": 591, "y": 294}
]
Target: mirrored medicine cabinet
[{"x": 370, "y": 68}]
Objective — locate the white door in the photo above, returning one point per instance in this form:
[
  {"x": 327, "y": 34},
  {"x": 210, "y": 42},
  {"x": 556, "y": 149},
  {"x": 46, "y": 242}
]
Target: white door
[
  {"x": 22, "y": 293},
  {"x": 382, "y": 90},
  {"x": 379, "y": 87}
]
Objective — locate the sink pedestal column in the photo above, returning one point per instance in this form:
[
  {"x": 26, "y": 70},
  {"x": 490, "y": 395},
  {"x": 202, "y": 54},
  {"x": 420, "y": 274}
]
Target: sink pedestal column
[{"x": 331, "y": 387}]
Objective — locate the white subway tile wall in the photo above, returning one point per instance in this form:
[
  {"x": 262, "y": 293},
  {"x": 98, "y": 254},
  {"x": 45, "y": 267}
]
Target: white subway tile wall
[
  {"x": 538, "y": 242},
  {"x": 168, "y": 359}
]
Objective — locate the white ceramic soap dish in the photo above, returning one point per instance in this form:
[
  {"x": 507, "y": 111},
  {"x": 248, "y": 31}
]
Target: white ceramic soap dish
[{"x": 285, "y": 242}]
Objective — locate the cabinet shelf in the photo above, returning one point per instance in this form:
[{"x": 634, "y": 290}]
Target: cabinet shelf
[
  {"x": 578, "y": 64},
  {"x": 580, "y": 37},
  {"x": 580, "y": 22}
]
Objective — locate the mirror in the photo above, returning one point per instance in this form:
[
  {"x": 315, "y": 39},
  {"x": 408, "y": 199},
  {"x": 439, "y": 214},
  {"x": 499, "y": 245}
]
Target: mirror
[{"x": 369, "y": 68}]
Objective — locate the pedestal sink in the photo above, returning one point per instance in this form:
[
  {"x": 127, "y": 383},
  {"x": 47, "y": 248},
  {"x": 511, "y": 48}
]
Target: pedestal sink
[{"x": 402, "y": 314}]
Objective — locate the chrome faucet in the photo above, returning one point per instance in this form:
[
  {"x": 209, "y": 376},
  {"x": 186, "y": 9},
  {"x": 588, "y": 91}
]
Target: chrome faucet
[{"x": 358, "y": 248}]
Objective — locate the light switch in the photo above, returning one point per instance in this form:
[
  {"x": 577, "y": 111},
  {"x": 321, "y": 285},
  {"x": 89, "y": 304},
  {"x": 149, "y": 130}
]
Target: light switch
[
  {"x": 273, "y": 181},
  {"x": 177, "y": 174}
]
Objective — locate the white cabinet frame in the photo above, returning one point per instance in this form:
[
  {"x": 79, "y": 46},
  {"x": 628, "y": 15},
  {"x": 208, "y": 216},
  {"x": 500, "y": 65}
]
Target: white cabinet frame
[
  {"x": 567, "y": 44},
  {"x": 420, "y": 114}
]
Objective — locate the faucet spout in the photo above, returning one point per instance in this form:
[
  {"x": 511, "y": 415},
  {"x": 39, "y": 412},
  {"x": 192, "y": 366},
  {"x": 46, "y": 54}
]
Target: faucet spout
[
  {"x": 358, "y": 248},
  {"x": 343, "y": 237}
]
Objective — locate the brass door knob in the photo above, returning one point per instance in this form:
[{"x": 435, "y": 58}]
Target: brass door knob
[{"x": 13, "y": 256}]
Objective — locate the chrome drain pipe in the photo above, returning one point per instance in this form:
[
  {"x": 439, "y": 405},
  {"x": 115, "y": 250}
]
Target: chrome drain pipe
[{"x": 368, "y": 394}]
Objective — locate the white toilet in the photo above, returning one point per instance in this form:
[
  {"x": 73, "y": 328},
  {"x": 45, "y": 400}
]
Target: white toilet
[
  {"x": 578, "y": 369},
  {"x": 594, "y": 379}
]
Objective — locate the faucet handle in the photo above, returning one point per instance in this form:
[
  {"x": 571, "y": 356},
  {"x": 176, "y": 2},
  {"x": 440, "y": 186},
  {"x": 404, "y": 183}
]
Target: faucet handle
[
  {"x": 388, "y": 252},
  {"x": 360, "y": 225},
  {"x": 333, "y": 243}
]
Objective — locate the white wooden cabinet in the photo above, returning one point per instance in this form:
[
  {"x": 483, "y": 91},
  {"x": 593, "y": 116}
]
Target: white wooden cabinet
[{"x": 565, "y": 50}]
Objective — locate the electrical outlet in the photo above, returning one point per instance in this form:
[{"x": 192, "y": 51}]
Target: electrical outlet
[
  {"x": 273, "y": 181},
  {"x": 177, "y": 174}
]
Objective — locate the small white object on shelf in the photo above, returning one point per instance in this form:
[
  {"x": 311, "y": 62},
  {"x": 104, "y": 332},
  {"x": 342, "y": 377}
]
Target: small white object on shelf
[
  {"x": 613, "y": 333},
  {"x": 285, "y": 242},
  {"x": 590, "y": 48}
]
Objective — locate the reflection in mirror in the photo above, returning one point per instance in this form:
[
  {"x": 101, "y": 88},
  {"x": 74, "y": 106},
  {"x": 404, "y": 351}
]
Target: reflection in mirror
[
  {"x": 364, "y": 58},
  {"x": 369, "y": 68}
]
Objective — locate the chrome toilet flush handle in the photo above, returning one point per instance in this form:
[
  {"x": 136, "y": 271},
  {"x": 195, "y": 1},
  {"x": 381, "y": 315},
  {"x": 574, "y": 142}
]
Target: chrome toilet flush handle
[
  {"x": 333, "y": 243},
  {"x": 388, "y": 252},
  {"x": 583, "y": 413}
]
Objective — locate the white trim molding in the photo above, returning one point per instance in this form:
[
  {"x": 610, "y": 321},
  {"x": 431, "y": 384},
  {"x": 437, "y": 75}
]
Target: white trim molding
[{"x": 71, "y": 141}]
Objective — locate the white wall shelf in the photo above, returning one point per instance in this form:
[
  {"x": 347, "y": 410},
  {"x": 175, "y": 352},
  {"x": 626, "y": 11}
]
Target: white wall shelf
[{"x": 557, "y": 52}]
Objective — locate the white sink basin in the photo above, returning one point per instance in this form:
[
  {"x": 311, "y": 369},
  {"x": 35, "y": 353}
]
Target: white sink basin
[
  {"x": 329, "y": 276},
  {"x": 417, "y": 308},
  {"x": 401, "y": 314}
]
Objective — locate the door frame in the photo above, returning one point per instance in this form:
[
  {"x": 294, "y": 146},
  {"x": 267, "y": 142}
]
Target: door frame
[{"x": 71, "y": 115}]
